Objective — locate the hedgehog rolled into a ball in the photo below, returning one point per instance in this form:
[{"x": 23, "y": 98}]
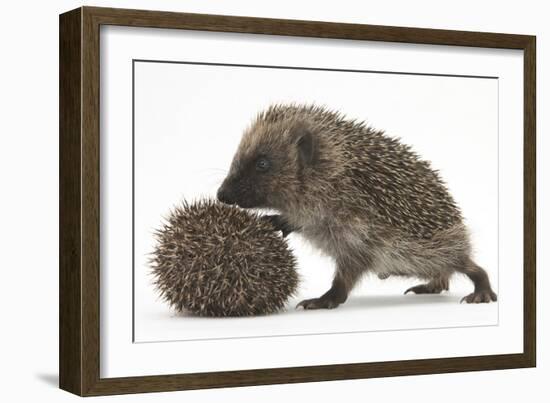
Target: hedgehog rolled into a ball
[{"x": 212, "y": 259}]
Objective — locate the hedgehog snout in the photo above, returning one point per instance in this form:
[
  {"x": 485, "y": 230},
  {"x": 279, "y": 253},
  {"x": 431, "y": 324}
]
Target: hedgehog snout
[{"x": 225, "y": 195}]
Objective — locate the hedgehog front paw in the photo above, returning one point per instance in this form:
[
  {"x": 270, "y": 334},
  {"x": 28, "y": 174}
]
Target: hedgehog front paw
[
  {"x": 478, "y": 297},
  {"x": 318, "y": 303},
  {"x": 279, "y": 223}
]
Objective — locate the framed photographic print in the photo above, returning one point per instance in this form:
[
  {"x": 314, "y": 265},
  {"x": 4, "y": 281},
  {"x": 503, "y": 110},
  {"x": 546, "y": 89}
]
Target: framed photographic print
[{"x": 250, "y": 201}]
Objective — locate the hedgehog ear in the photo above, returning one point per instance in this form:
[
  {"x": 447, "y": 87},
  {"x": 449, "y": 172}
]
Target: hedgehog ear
[{"x": 307, "y": 147}]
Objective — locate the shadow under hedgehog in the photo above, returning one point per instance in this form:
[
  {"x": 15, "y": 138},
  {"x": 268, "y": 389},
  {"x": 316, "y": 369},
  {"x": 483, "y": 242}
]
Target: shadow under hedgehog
[{"x": 362, "y": 197}]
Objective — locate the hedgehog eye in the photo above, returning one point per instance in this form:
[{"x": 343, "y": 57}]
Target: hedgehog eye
[{"x": 262, "y": 164}]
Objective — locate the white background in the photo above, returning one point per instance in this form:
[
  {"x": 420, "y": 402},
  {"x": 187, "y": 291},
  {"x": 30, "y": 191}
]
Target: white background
[
  {"x": 342, "y": 343},
  {"x": 29, "y": 177},
  {"x": 188, "y": 122}
]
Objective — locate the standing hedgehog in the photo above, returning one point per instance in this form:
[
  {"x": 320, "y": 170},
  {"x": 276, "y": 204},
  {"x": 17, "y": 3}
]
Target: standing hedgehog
[{"x": 362, "y": 197}]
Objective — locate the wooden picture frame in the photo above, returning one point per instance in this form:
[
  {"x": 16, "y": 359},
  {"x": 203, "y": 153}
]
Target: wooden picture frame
[{"x": 79, "y": 281}]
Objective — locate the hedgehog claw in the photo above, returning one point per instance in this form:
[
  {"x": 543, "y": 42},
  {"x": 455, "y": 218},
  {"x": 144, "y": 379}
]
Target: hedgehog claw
[
  {"x": 279, "y": 223},
  {"x": 479, "y": 297},
  {"x": 317, "y": 303},
  {"x": 424, "y": 289}
]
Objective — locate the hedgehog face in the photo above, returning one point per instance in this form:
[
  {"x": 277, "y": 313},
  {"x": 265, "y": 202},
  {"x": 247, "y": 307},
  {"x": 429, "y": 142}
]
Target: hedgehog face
[
  {"x": 267, "y": 169},
  {"x": 247, "y": 182}
]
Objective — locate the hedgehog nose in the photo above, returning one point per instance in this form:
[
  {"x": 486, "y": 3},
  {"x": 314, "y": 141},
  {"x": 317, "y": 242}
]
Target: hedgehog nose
[{"x": 224, "y": 196}]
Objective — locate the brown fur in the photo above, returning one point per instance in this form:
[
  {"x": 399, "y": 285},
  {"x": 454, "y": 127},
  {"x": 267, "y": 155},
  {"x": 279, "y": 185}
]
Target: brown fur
[{"x": 362, "y": 197}]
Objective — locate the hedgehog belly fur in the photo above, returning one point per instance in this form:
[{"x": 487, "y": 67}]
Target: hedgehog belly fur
[
  {"x": 431, "y": 258},
  {"x": 386, "y": 252}
]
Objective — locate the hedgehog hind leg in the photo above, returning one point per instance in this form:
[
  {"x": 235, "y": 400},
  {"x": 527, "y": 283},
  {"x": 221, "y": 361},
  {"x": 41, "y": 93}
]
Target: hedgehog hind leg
[
  {"x": 434, "y": 286},
  {"x": 482, "y": 287}
]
